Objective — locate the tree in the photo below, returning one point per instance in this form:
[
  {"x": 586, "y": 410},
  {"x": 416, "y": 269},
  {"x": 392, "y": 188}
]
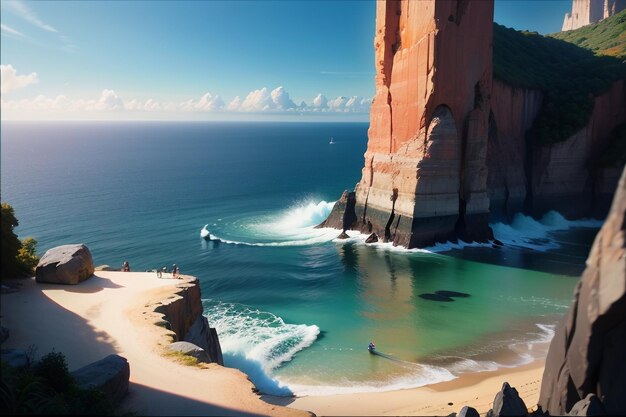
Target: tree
[{"x": 18, "y": 258}]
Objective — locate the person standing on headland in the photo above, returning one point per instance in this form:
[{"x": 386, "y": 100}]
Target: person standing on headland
[
  {"x": 175, "y": 272},
  {"x": 125, "y": 266}
]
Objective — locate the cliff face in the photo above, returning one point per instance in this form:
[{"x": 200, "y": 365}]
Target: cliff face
[
  {"x": 588, "y": 352},
  {"x": 560, "y": 177},
  {"x": 585, "y": 12},
  {"x": 183, "y": 312},
  {"x": 424, "y": 178}
]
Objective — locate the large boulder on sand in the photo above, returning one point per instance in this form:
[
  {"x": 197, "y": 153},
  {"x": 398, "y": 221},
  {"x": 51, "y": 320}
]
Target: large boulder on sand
[
  {"x": 588, "y": 352},
  {"x": 67, "y": 264},
  {"x": 109, "y": 375}
]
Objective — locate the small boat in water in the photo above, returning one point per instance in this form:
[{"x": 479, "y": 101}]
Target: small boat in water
[
  {"x": 204, "y": 233},
  {"x": 331, "y": 141}
]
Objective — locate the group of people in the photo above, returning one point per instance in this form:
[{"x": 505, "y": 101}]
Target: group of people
[
  {"x": 160, "y": 272},
  {"x": 175, "y": 272}
]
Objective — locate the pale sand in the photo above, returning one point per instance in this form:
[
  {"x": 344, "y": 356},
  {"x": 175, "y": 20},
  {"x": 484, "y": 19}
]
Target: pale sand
[
  {"x": 476, "y": 390},
  {"x": 111, "y": 313}
]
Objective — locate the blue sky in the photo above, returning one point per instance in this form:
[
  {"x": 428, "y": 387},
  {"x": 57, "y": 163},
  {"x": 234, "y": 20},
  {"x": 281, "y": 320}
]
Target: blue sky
[{"x": 108, "y": 54}]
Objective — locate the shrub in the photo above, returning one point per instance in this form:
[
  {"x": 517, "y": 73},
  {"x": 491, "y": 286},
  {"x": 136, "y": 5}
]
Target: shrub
[
  {"x": 19, "y": 258},
  {"x": 48, "y": 388}
]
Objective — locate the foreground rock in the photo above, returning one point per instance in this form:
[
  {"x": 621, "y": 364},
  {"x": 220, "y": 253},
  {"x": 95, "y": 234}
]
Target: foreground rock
[
  {"x": 67, "y": 264},
  {"x": 588, "y": 352},
  {"x": 508, "y": 403},
  {"x": 109, "y": 375}
]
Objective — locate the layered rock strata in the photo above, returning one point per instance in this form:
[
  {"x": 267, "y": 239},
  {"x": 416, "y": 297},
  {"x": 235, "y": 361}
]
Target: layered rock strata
[
  {"x": 424, "y": 179},
  {"x": 183, "y": 313},
  {"x": 588, "y": 352}
]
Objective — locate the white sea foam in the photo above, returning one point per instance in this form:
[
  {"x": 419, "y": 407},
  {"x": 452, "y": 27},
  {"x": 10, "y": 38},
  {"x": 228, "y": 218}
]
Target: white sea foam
[
  {"x": 420, "y": 376},
  {"x": 294, "y": 226},
  {"x": 258, "y": 342},
  {"x": 525, "y": 231}
]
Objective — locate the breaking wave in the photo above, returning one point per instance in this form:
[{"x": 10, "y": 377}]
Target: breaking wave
[
  {"x": 525, "y": 231},
  {"x": 257, "y": 342},
  {"x": 294, "y": 226}
]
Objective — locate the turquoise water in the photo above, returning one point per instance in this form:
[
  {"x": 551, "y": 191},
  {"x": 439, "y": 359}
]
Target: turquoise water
[{"x": 294, "y": 307}]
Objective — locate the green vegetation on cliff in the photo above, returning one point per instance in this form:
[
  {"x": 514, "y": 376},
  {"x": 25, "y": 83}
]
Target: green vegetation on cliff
[
  {"x": 607, "y": 37},
  {"x": 569, "y": 76},
  {"x": 18, "y": 257}
]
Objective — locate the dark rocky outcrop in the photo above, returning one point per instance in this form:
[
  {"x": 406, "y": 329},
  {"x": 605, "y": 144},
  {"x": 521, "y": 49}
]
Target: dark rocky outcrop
[
  {"x": 109, "y": 375},
  {"x": 508, "y": 403},
  {"x": 468, "y": 412},
  {"x": 192, "y": 350},
  {"x": 588, "y": 352},
  {"x": 373, "y": 238},
  {"x": 67, "y": 264},
  {"x": 182, "y": 314}
]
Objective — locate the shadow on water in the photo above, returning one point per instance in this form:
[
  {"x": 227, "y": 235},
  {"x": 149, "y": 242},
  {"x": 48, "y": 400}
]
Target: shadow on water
[{"x": 386, "y": 356}]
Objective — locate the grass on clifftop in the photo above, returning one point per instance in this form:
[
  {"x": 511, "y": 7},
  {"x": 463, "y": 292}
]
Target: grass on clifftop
[
  {"x": 604, "y": 38},
  {"x": 569, "y": 75}
]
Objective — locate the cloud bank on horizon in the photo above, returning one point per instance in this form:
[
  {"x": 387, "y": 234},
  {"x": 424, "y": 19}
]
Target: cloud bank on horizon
[{"x": 259, "y": 101}]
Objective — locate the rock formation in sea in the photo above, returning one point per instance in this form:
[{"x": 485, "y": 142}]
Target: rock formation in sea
[
  {"x": 449, "y": 148},
  {"x": 425, "y": 176},
  {"x": 588, "y": 352},
  {"x": 585, "y": 12}
]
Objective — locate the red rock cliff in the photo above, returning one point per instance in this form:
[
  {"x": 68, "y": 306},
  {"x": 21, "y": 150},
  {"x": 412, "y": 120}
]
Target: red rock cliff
[
  {"x": 425, "y": 177},
  {"x": 560, "y": 177}
]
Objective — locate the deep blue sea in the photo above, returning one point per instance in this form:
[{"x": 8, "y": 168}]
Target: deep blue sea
[{"x": 294, "y": 307}]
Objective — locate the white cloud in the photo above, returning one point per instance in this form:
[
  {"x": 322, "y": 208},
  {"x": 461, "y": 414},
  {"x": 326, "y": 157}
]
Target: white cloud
[
  {"x": 235, "y": 104},
  {"x": 210, "y": 103},
  {"x": 263, "y": 100},
  {"x": 320, "y": 101},
  {"x": 9, "y": 80},
  {"x": 257, "y": 100},
  {"x": 281, "y": 99},
  {"x": 22, "y": 10},
  {"x": 109, "y": 100},
  {"x": 10, "y": 31}
]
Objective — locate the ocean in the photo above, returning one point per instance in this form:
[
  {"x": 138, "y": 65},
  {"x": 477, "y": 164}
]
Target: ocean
[{"x": 294, "y": 307}]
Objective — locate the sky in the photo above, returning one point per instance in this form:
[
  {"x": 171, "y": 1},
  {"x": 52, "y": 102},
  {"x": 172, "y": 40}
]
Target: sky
[{"x": 202, "y": 60}]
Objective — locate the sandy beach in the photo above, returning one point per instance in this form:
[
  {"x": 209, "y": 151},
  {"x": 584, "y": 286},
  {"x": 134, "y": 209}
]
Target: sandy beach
[{"x": 112, "y": 313}]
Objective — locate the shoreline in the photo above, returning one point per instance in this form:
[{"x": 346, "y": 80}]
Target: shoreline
[
  {"x": 474, "y": 389},
  {"x": 113, "y": 312}
]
